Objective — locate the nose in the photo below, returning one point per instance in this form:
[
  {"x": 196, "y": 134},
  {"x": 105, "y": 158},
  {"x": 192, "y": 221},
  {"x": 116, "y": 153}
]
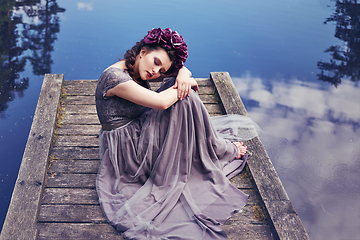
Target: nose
[{"x": 156, "y": 70}]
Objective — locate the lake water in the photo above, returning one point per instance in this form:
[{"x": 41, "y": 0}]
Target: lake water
[{"x": 273, "y": 50}]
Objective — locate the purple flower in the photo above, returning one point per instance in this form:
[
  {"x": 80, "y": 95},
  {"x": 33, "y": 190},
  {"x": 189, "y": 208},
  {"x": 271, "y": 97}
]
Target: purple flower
[
  {"x": 153, "y": 36},
  {"x": 182, "y": 51},
  {"x": 166, "y": 35},
  {"x": 167, "y": 38},
  {"x": 176, "y": 39}
]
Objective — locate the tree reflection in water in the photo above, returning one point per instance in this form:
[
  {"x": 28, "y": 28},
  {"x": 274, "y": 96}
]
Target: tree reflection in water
[
  {"x": 345, "y": 60},
  {"x": 21, "y": 40}
]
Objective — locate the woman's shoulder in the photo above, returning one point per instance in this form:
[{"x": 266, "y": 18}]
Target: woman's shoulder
[
  {"x": 114, "y": 74},
  {"x": 111, "y": 77}
]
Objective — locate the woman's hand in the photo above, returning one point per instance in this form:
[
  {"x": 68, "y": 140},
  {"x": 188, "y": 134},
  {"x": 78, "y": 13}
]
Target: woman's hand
[
  {"x": 184, "y": 83},
  {"x": 194, "y": 84}
]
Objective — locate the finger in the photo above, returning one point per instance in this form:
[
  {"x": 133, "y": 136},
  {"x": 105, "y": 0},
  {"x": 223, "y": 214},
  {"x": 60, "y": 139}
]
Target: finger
[
  {"x": 180, "y": 94},
  {"x": 183, "y": 91}
]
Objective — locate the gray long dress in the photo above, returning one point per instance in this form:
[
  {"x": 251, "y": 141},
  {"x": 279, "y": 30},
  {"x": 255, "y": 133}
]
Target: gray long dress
[{"x": 162, "y": 174}]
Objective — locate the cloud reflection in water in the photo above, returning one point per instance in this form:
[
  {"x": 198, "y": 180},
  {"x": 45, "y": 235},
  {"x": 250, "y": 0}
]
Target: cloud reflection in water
[{"x": 312, "y": 135}]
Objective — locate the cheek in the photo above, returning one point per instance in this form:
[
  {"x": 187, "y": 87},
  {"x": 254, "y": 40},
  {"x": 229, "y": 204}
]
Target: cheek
[{"x": 148, "y": 62}]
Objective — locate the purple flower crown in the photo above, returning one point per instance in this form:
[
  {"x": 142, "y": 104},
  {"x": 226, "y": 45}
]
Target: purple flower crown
[{"x": 169, "y": 39}]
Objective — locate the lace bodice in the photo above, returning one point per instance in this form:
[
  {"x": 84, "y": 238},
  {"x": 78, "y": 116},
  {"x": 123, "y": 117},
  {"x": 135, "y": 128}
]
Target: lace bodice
[{"x": 112, "y": 109}]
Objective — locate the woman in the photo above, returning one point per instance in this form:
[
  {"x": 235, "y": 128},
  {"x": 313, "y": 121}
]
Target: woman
[{"x": 163, "y": 170}]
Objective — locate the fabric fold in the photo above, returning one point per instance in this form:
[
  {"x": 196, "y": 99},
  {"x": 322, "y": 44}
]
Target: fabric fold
[{"x": 164, "y": 173}]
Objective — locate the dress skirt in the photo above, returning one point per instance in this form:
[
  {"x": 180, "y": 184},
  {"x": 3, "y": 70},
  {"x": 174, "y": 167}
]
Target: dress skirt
[{"x": 164, "y": 174}]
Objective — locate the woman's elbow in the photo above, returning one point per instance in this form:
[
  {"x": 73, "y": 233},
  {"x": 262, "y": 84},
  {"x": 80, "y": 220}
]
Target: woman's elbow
[{"x": 163, "y": 106}]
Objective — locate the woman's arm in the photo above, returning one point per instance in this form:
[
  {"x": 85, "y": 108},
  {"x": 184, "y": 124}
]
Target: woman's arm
[
  {"x": 184, "y": 83},
  {"x": 137, "y": 94}
]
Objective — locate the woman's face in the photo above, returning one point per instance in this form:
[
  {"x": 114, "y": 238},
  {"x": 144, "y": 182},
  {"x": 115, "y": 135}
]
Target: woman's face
[{"x": 151, "y": 65}]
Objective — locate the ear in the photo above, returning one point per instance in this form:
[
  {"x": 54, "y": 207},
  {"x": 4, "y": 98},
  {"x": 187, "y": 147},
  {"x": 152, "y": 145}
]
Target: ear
[{"x": 143, "y": 52}]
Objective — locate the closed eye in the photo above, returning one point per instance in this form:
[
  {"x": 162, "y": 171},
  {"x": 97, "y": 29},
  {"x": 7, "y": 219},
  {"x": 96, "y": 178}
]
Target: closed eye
[{"x": 157, "y": 62}]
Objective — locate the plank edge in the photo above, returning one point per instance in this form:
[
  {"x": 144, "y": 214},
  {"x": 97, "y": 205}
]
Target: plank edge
[
  {"x": 21, "y": 218},
  {"x": 232, "y": 104}
]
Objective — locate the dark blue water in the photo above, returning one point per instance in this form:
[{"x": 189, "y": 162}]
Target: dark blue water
[{"x": 273, "y": 50}]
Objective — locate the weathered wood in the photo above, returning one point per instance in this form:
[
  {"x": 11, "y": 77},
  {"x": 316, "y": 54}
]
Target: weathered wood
[
  {"x": 77, "y": 100},
  {"x": 91, "y": 109},
  {"x": 247, "y": 216},
  {"x": 77, "y": 179},
  {"x": 80, "y": 83},
  {"x": 64, "y": 180},
  {"x": 71, "y": 214},
  {"x": 73, "y": 196},
  {"x": 80, "y": 119},
  {"x": 92, "y": 83},
  {"x": 89, "y": 90},
  {"x": 20, "y": 222},
  {"x": 79, "y": 130},
  {"x": 89, "y": 195},
  {"x": 80, "y": 109},
  {"x": 262, "y": 170},
  {"x": 79, "y": 231},
  {"x": 74, "y": 166},
  {"x": 242, "y": 180},
  {"x": 88, "y": 213},
  {"x": 77, "y": 141},
  {"x": 264, "y": 173},
  {"x": 76, "y": 153},
  {"x": 248, "y": 232},
  {"x": 90, "y": 100},
  {"x": 230, "y": 99},
  {"x": 86, "y": 231},
  {"x": 70, "y": 208}
]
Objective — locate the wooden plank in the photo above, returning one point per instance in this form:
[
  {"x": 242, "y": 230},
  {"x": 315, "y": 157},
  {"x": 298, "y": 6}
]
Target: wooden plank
[
  {"x": 242, "y": 180},
  {"x": 76, "y": 100},
  {"x": 64, "y": 180},
  {"x": 86, "y": 231},
  {"x": 77, "y": 141},
  {"x": 71, "y": 214},
  {"x": 80, "y": 83},
  {"x": 284, "y": 217},
  {"x": 93, "y": 214},
  {"x": 90, "y": 100},
  {"x": 89, "y": 90},
  {"x": 91, "y": 109},
  {"x": 76, "y": 153},
  {"x": 79, "y": 231},
  {"x": 248, "y": 232},
  {"x": 71, "y": 196},
  {"x": 80, "y": 109},
  {"x": 80, "y": 119},
  {"x": 265, "y": 177},
  {"x": 79, "y": 130},
  {"x": 74, "y": 166},
  {"x": 77, "y": 179},
  {"x": 247, "y": 216},
  {"x": 20, "y": 222}
]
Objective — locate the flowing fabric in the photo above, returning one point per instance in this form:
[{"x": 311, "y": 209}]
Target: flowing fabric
[{"x": 163, "y": 175}]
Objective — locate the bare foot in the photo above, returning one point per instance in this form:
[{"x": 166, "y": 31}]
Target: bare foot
[{"x": 242, "y": 149}]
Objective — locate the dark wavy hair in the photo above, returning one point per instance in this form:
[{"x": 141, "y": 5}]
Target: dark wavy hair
[{"x": 130, "y": 55}]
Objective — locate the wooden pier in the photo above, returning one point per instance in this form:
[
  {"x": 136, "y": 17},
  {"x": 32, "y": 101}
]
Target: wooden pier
[{"x": 55, "y": 196}]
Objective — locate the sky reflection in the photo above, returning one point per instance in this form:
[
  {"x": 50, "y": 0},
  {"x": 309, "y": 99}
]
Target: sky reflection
[{"x": 312, "y": 137}]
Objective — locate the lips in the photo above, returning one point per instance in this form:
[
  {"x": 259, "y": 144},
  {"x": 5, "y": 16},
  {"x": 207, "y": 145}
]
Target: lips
[{"x": 149, "y": 74}]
